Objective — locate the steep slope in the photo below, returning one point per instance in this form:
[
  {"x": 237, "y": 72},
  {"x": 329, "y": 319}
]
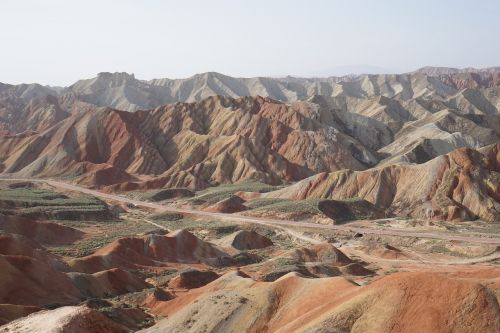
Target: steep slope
[
  {"x": 414, "y": 130},
  {"x": 65, "y": 319},
  {"x": 17, "y": 245},
  {"x": 350, "y": 123},
  {"x": 29, "y": 281},
  {"x": 123, "y": 91},
  {"x": 30, "y": 278},
  {"x": 218, "y": 140},
  {"x": 403, "y": 302},
  {"x": 148, "y": 252},
  {"x": 245, "y": 240},
  {"x": 46, "y": 233},
  {"x": 107, "y": 283},
  {"x": 462, "y": 184},
  {"x": 28, "y": 107}
]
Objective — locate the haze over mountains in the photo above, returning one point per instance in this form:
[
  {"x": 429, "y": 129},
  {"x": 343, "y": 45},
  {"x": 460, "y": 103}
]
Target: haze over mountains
[{"x": 124, "y": 92}]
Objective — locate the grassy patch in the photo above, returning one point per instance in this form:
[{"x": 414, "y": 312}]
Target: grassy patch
[
  {"x": 221, "y": 192},
  {"x": 109, "y": 231},
  {"x": 166, "y": 216},
  {"x": 193, "y": 224},
  {"x": 44, "y": 203},
  {"x": 309, "y": 206},
  {"x": 262, "y": 202},
  {"x": 160, "y": 195}
]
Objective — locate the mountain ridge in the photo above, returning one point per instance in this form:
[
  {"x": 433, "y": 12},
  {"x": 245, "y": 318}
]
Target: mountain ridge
[{"x": 124, "y": 91}]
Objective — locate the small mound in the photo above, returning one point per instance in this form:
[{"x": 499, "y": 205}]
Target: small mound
[
  {"x": 42, "y": 232},
  {"x": 161, "y": 295},
  {"x": 112, "y": 282},
  {"x": 278, "y": 272},
  {"x": 324, "y": 253},
  {"x": 158, "y": 296},
  {"x": 340, "y": 211},
  {"x": 193, "y": 279},
  {"x": 233, "y": 204},
  {"x": 318, "y": 261},
  {"x": 388, "y": 252},
  {"x": 150, "y": 251},
  {"x": 103, "y": 175},
  {"x": 245, "y": 240},
  {"x": 355, "y": 269},
  {"x": 65, "y": 319}
]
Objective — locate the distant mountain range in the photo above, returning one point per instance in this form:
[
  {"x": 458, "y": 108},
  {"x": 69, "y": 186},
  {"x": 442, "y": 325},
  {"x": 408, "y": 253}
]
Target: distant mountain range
[{"x": 124, "y": 92}]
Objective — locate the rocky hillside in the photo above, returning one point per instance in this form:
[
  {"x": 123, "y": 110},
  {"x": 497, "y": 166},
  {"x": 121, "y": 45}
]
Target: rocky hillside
[
  {"x": 217, "y": 140},
  {"x": 463, "y": 184},
  {"x": 368, "y": 125},
  {"x": 124, "y": 92},
  {"x": 399, "y": 303}
]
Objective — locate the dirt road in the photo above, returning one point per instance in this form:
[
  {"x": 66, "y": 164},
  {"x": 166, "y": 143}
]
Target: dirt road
[{"x": 264, "y": 221}]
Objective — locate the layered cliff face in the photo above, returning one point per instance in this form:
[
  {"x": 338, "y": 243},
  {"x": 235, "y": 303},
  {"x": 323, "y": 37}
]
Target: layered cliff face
[
  {"x": 463, "y": 184},
  {"x": 343, "y": 127},
  {"x": 218, "y": 140},
  {"x": 123, "y": 91}
]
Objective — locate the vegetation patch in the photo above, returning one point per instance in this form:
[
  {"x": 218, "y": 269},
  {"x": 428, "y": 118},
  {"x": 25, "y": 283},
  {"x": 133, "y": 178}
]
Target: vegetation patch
[
  {"x": 41, "y": 203},
  {"x": 108, "y": 232},
  {"x": 160, "y": 195},
  {"x": 166, "y": 216},
  {"x": 213, "y": 195},
  {"x": 309, "y": 206},
  {"x": 262, "y": 202}
]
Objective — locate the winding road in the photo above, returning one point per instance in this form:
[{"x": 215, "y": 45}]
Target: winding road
[{"x": 264, "y": 221}]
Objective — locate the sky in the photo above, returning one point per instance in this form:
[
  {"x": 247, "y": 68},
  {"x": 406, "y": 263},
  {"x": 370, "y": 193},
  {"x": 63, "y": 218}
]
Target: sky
[{"x": 57, "y": 42}]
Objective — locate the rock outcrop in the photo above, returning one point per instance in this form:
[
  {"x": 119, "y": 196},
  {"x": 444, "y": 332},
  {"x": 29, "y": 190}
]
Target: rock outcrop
[
  {"x": 463, "y": 184},
  {"x": 245, "y": 240}
]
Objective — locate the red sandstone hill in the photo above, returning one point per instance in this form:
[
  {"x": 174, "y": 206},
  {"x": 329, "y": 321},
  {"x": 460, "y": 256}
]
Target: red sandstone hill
[
  {"x": 220, "y": 140},
  {"x": 14, "y": 244},
  {"x": 46, "y": 233},
  {"x": 32, "y": 277},
  {"x": 463, "y": 184},
  {"x": 217, "y": 140},
  {"x": 28, "y": 281},
  {"x": 107, "y": 283},
  {"x": 149, "y": 251},
  {"x": 402, "y": 302},
  {"x": 368, "y": 129}
]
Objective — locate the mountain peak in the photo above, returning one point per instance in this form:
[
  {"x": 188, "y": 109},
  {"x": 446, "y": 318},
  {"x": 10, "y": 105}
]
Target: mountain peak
[{"x": 116, "y": 75}]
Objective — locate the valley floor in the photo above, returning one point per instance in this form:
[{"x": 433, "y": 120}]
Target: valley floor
[{"x": 169, "y": 266}]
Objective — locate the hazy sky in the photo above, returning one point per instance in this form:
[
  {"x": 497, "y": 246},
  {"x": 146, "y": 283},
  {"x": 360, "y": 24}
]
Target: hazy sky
[{"x": 59, "y": 41}]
